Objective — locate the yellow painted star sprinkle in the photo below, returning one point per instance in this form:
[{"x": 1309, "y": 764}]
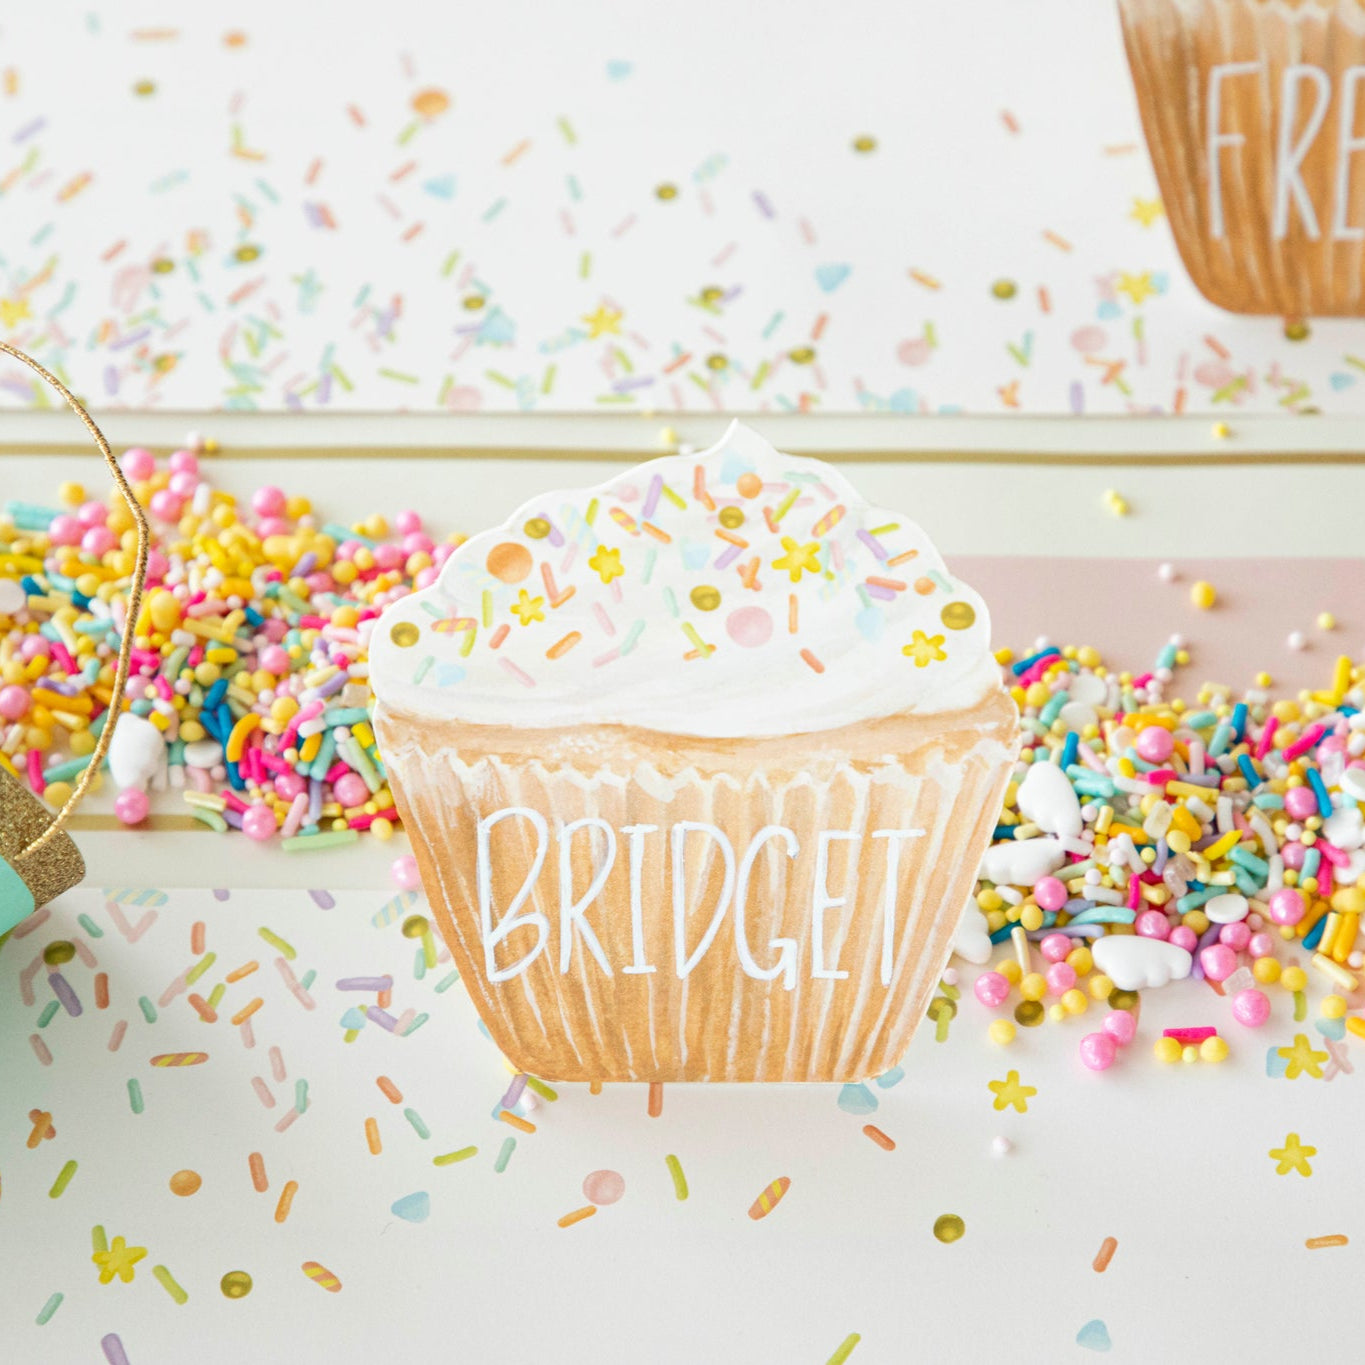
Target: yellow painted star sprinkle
[
  {"x": 527, "y": 608},
  {"x": 118, "y": 1260},
  {"x": 1010, "y": 1092},
  {"x": 924, "y": 649},
  {"x": 1301, "y": 1058},
  {"x": 603, "y": 321},
  {"x": 1147, "y": 211},
  {"x": 1137, "y": 287},
  {"x": 1293, "y": 1156},
  {"x": 799, "y": 558},
  {"x": 606, "y": 561}
]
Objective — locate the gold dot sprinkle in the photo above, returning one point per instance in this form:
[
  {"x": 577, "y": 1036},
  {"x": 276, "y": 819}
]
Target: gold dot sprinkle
[
  {"x": 865, "y": 143},
  {"x": 716, "y": 361},
  {"x": 705, "y": 597},
  {"x": 948, "y": 1227},
  {"x": 144, "y": 88},
  {"x": 731, "y": 517},
  {"x": 958, "y": 615},
  {"x": 246, "y": 253},
  {"x": 415, "y": 926},
  {"x": 405, "y": 634},
  {"x": 163, "y": 265},
  {"x": 1004, "y": 289},
  {"x": 58, "y": 952},
  {"x": 801, "y": 355},
  {"x": 666, "y": 191},
  {"x": 1123, "y": 1000},
  {"x": 1297, "y": 330},
  {"x": 1029, "y": 1013},
  {"x": 473, "y": 302},
  {"x": 536, "y": 529},
  {"x": 236, "y": 1284}
]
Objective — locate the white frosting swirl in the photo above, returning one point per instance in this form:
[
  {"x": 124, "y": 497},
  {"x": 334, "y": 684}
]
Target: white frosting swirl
[{"x": 734, "y": 593}]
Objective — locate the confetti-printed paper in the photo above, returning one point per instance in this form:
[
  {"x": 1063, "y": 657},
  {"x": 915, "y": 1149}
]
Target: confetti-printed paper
[{"x": 908, "y": 210}]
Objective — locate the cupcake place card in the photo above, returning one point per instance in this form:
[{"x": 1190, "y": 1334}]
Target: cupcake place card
[{"x": 698, "y": 766}]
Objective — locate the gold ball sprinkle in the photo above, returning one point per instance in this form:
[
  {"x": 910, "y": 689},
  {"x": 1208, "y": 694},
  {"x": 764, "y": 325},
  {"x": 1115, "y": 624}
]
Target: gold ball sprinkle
[
  {"x": 405, "y": 634},
  {"x": 1297, "y": 331},
  {"x": 948, "y": 1227},
  {"x": 1123, "y": 1000},
  {"x": 144, "y": 88},
  {"x": 705, "y": 597},
  {"x": 801, "y": 355},
  {"x": 1029, "y": 1013},
  {"x": 509, "y": 561},
  {"x": 246, "y": 253},
  {"x": 58, "y": 952},
  {"x": 536, "y": 529},
  {"x": 958, "y": 615},
  {"x": 865, "y": 142},
  {"x": 473, "y": 302},
  {"x": 163, "y": 265},
  {"x": 1004, "y": 289},
  {"x": 712, "y": 293},
  {"x": 731, "y": 517},
  {"x": 666, "y": 192},
  {"x": 415, "y": 926},
  {"x": 716, "y": 361},
  {"x": 236, "y": 1284}
]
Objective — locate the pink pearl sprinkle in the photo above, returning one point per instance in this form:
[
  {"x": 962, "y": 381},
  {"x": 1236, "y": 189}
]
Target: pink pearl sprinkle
[
  {"x": 1286, "y": 905},
  {"x": 1261, "y": 945},
  {"x": 131, "y": 806},
  {"x": 1184, "y": 937},
  {"x": 1098, "y": 1051},
  {"x": 1050, "y": 893},
  {"x": 269, "y": 501},
  {"x": 98, "y": 540},
  {"x": 1251, "y": 1007},
  {"x": 1120, "y": 1026},
  {"x": 184, "y": 462},
  {"x": 1153, "y": 924},
  {"x": 258, "y": 822},
  {"x": 92, "y": 514},
  {"x": 1301, "y": 802},
  {"x": 350, "y": 790},
  {"x": 1218, "y": 961},
  {"x": 1293, "y": 854},
  {"x": 166, "y": 506},
  {"x": 1236, "y": 936},
  {"x": 138, "y": 463},
  {"x": 65, "y": 530},
  {"x": 991, "y": 989},
  {"x": 1061, "y": 976},
  {"x": 1055, "y": 947},
  {"x": 1155, "y": 744},
  {"x": 406, "y": 523},
  {"x": 404, "y": 872}
]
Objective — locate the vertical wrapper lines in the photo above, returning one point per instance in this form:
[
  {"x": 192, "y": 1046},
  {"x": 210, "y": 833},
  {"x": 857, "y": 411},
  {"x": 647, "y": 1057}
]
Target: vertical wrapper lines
[{"x": 802, "y": 986}]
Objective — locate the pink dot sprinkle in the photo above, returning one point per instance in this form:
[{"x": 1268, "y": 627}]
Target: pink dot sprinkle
[
  {"x": 1098, "y": 1051},
  {"x": 749, "y": 626},
  {"x": 1251, "y": 1007}
]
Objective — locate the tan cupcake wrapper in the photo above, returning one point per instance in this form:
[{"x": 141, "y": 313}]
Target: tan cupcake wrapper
[
  {"x": 716, "y": 1023},
  {"x": 1250, "y": 266}
]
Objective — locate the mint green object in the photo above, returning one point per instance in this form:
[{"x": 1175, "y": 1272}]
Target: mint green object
[{"x": 16, "y": 900}]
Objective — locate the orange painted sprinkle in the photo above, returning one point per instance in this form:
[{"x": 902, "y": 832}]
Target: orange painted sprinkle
[
  {"x": 197, "y": 937},
  {"x": 384, "y": 999},
  {"x": 1105, "y": 1254},
  {"x": 895, "y": 584},
  {"x": 1044, "y": 299},
  {"x": 748, "y": 573},
  {"x": 1217, "y": 348},
  {"x": 372, "y": 1137},
  {"x": 928, "y": 281},
  {"x": 519, "y": 150},
  {"x": 562, "y": 647},
  {"x": 812, "y": 661},
  {"x": 901, "y": 558},
  {"x": 770, "y": 1198},
  {"x": 247, "y": 1010},
  {"x": 578, "y": 1215},
  {"x": 657, "y": 532},
  {"x": 1056, "y": 240},
  {"x": 730, "y": 538},
  {"x": 699, "y": 488},
  {"x": 498, "y": 636},
  {"x": 677, "y": 362},
  {"x": 768, "y": 517},
  {"x": 624, "y": 520},
  {"x": 1009, "y": 120},
  {"x": 322, "y": 1277},
  {"x": 356, "y": 116},
  {"x": 202, "y": 1008},
  {"x": 258, "y": 1177},
  {"x": 291, "y": 1188},
  {"x": 547, "y": 576},
  {"x": 818, "y": 329},
  {"x": 887, "y": 1144},
  {"x": 390, "y": 1091},
  {"x": 101, "y": 990},
  {"x": 556, "y": 602},
  {"x": 41, "y": 1122},
  {"x": 244, "y": 970},
  {"x": 1335, "y": 1240},
  {"x": 594, "y": 1087},
  {"x": 656, "y": 1099},
  {"x": 792, "y": 613},
  {"x": 516, "y": 1121}
]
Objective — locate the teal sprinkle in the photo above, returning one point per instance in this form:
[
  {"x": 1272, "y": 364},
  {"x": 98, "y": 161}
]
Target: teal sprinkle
[
  {"x": 418, "y": 1126},
  {"x": 632, "y": 635},
  {"x": 423, "y": 669},
  {"x": 419, "y": 966},
  {"x": 505, "y": 1155},
  {"x": 308, "y": 978},
  {"x": 416, "y": 1024},
  {"x": 45, "y": 1018},
  {"x": 48, "y": 1309},
  {"x": 446, "y": 982},
  {"x": 671, "y": 602},
  {"x": 148, "y": 1009},
  {"x": 301, "y": 1093},
  {"x": 135, "y": 1095},
  {"x": 89, "y": 926}
]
